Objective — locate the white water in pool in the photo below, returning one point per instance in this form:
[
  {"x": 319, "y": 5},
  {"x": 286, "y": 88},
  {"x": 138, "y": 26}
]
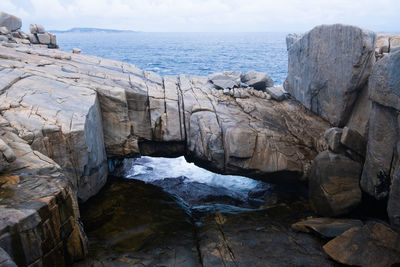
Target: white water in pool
[{"x": 149, "y": 169}]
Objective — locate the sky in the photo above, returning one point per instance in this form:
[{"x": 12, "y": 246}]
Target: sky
[{"x": 206, "y": 15}]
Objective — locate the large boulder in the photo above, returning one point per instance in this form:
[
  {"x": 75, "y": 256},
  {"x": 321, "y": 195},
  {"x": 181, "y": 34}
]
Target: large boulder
[
  {"x": 327, "y": 68},
  {"x": 276, "y": 92},
  {"x": 257, "y": 80},
  {"x": 334, "y": 184},
  {"x": 12, "y": 23},
  {"x": 374, "y": 244},
  {"x": 36, "y": 29},
  {"x": 384, "y": 82},
  {"x": 43, "y": 38},
  {"x": 384, "y": 91}
]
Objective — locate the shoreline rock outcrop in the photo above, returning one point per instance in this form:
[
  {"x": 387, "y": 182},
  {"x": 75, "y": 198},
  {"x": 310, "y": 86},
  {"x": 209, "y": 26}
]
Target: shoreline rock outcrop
[
  {"x": 364, "y": 103},
  {"x": 65, "y": 115},
  {"x": 82, "y": 110}
]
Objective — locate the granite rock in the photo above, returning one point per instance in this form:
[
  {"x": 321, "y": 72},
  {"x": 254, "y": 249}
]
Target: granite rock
[
  {"x": 328, "y": 67},
  {"x": 332, "y": 137},
  {"x": 36, "y": 29},
  {"x": 334, "y": 184},
  {"x": 326, "y": 227},
  {"x": 374, "y": 244},
  {"x": 258, "y": 80},
  {"x": 11, "y": 22}
]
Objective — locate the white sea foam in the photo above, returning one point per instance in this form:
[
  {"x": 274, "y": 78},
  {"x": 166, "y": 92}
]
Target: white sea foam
[{"x": 150, "y": 169}]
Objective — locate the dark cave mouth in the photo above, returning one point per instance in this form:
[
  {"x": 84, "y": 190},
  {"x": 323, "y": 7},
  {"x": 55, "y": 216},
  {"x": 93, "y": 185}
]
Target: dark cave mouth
[{"x": 200, "y": 187}]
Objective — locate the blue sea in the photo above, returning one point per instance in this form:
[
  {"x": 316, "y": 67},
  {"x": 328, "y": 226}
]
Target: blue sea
[{"x": 187, "y": 53}]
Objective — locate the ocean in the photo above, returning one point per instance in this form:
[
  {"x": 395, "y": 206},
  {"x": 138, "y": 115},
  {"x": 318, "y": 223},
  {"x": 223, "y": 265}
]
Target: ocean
[{"x": 187, "y": 53}]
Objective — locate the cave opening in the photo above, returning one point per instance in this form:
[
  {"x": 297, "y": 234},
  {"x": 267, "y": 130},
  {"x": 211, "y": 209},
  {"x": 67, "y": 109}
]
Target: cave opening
[
  {"x": 195, "y": 185},
  {"x": 156, "y": 210}
]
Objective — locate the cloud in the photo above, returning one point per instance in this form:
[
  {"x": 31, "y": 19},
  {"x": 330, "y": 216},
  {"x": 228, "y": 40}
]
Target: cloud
[{"x": 206, "y": 15}]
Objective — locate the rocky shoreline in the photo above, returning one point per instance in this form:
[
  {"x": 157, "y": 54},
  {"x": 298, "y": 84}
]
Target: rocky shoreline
[{"x": 66, "y": 118}]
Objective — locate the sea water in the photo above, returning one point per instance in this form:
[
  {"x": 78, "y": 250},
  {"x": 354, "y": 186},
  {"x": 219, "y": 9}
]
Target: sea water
[{"x": 187, "y": 53}]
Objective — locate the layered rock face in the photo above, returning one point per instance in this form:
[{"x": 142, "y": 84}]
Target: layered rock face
[
  {"x": 80, "y": 111},
  {"x": 71, "y": 97},
  {"x": 39, "y": 222}
]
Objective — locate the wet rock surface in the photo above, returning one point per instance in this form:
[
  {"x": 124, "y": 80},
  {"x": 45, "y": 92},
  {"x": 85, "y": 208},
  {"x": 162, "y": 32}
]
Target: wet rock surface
[
  {"x": 130, "y": 222},
  {"x": 374, "y": 244},
  {"x": 133, "y": 223},
  {"x": 195, "y": 193},
  {"x": 326, "y": 227}
]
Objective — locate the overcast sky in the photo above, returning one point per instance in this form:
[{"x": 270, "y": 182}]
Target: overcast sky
[{"x": 206, "y": 15}]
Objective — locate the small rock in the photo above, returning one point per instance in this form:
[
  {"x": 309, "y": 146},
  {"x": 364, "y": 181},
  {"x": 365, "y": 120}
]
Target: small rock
[
  {"x": 44, "y": 38},
  {"x": 4, "y": 30},
  {"x": 332, "y": 137},
  {"x": 76, "y": 50},
  {"x": 15, "y": 35},
  {"x": 5, "y": 259},
  {"x": 7, "y": 151},
  {"x": 33, "y": 38},
  {"x": 12, "y": 23},
  {"x": 334, "y": 184},
  {"x": 257, "y": 80},
  {"x": 25, "y": 41},
  {"x": 394, "y": 43},
  {"x": 224, "y": 84},
  {"x": 226, "y": 79},
  {"x": 374, "y": 244},
  {"x": 49, "y": 128},
  {"x": 326, "y": 227},
  {"x": 382, "y": 43},
  {"x": 23, "y": 35},
  {"x": 36, "y": 28},
  {"x": 3, "y": 38},
  {"x": 353, "y": 140},
  {"x": 277, "y": 93},
  {"x": 243, "y": 85},
  {"x": 53, "y": 39}
]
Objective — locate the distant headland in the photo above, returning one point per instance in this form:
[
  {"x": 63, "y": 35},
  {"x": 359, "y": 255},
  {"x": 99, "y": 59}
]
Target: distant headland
[{"x": 86, "y": 30}]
